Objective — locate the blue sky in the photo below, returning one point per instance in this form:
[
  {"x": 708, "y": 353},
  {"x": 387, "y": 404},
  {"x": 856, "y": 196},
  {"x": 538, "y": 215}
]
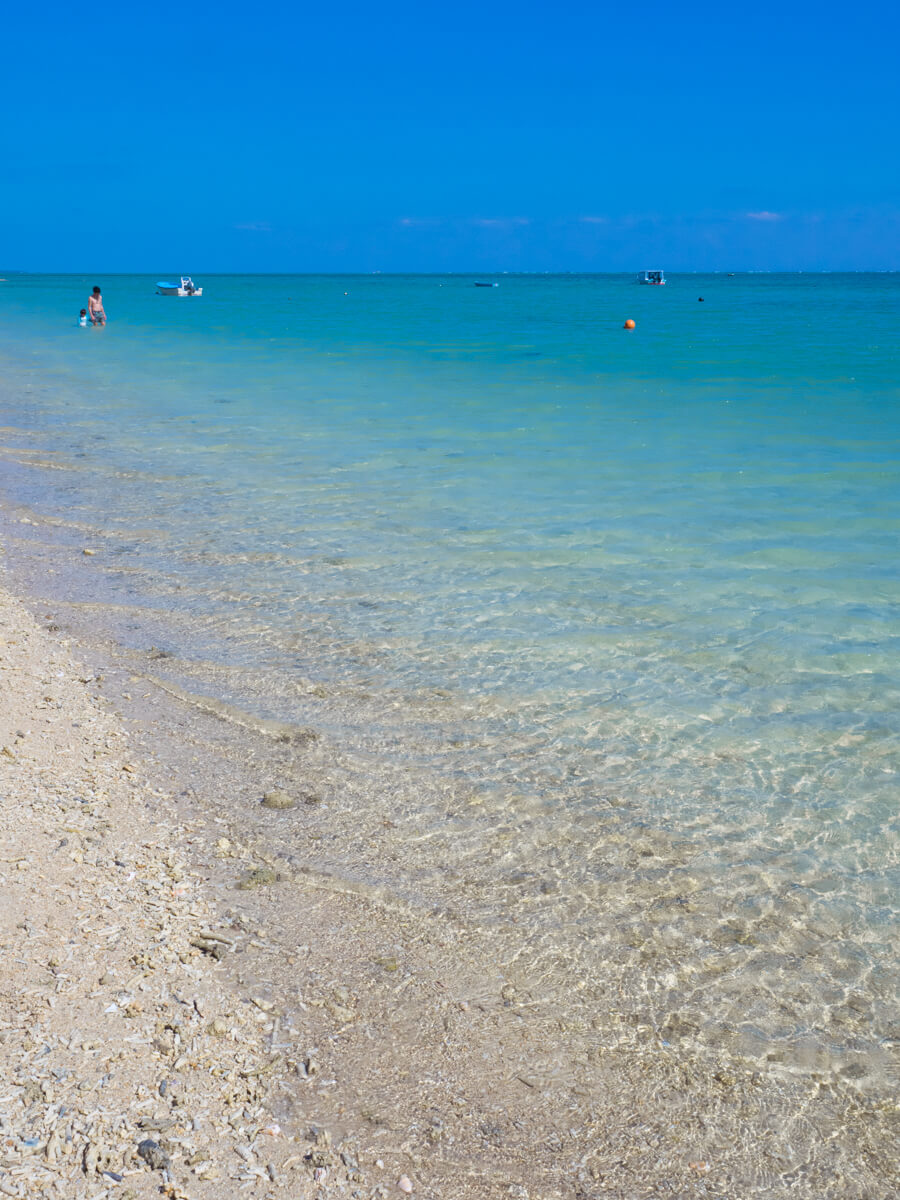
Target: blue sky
[{"x": 478, "y": 136}]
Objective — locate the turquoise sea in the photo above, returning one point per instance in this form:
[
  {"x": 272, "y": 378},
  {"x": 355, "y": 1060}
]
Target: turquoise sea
[{"x": 609, "y": 618}]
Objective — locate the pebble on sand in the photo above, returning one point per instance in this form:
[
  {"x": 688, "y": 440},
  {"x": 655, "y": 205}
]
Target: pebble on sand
[
  {"x": 153, "y": 1155},
  {"x": 278, "y": 800},
  {"x": 259, "y": 877}
]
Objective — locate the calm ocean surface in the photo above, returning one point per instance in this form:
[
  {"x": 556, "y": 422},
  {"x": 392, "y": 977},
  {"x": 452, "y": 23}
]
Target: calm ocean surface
[{"x": 627, "y": 600}]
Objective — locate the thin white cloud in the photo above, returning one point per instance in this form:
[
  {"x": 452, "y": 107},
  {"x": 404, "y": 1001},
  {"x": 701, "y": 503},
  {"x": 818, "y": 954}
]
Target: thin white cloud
[
  {"x": 500, "y": 222},
  {"x": 255, "y": 226},
  {"x": 460, "y": 222},
  {"x": 594, "y": 220},
  {"x": 764, "y": 216}
]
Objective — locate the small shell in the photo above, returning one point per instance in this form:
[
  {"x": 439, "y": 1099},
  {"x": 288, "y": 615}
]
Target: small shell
[
  {"x": 91, "y": 1158},
  {"x": 404, "y": 1183}
]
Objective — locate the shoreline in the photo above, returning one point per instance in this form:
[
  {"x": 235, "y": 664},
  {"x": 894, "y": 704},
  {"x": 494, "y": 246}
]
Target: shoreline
[
  {"x": 371, "y": 1042},
  {"x": 116, "y": 1036},
  {"x": 162, "y": 995},
  {"x": 161, "y": 989}
]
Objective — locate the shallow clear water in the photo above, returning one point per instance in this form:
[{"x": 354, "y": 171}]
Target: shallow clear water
[{"x": 628, "y": 600}]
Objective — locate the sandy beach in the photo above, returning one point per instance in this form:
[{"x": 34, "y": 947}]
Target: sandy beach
[
  {"x": 143, "y": 1034},
  {"x": 126, "y": 1061}
]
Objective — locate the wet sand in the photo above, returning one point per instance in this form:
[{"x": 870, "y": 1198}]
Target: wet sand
[{"x": 175, "y": 970}]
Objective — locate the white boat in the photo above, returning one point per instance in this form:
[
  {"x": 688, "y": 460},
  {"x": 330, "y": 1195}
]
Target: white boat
[
  {"x": 185, "y": 288},
  {"x": 656, "y": 278}
]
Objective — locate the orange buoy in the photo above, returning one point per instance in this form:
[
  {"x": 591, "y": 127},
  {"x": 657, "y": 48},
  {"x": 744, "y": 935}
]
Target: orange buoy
[{"x": 629, "y": 324}]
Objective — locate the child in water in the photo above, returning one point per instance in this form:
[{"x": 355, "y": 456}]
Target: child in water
[{"x": 82, "y": 317}]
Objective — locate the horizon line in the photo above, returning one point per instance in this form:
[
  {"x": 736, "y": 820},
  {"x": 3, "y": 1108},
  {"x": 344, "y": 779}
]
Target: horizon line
[{"x": 469, "y": 272}]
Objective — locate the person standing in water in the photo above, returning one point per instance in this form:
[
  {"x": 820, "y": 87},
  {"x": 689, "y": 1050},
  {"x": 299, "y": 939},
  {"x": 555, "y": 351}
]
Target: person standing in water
[{"x": 95, "y": 308}]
